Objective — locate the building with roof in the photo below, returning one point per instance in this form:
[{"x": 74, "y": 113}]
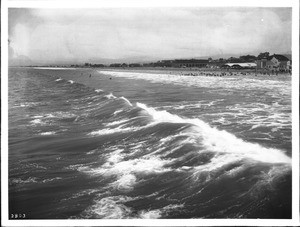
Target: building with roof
[
  {"x": 275, "y": 62},
  {"x": 248, "y": 65},
  {"x": 280, "y": 62}
]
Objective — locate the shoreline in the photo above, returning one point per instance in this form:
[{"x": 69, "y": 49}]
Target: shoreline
[
  {"x": 193, "y": 71},
  {"x": 174, "y": 71}
]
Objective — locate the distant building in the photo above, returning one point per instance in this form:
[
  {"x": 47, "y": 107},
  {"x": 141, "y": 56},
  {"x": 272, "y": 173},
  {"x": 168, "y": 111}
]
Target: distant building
[
  {"x": 280, "y": 62},
  {"x": 249, "y": 65},
  {"x": 275, "y": 62},
  {"x": 262, "y": 63},
  {"x": 190, "y": 63},
  {"x": 115, "y": 65},
  {"x": 135, "y": 65},
  {"x": 216, "y": 65}
]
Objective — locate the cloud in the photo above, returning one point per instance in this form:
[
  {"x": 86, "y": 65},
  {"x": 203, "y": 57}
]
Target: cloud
[{"x": 80, "y": 34}]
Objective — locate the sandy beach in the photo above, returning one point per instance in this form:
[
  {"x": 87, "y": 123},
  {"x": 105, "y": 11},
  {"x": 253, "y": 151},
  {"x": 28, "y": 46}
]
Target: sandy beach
[{"x": 194, "y": 71}]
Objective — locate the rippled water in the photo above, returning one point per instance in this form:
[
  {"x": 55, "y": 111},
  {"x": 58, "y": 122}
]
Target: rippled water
[{"x": 143, "y": 145}]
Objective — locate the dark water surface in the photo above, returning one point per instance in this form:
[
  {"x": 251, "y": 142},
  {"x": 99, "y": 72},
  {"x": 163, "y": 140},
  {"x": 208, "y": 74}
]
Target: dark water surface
[{"x": 142, "y": 145}]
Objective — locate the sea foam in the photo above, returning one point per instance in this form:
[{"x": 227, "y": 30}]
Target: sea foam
[{"x": 221, "y": 141}]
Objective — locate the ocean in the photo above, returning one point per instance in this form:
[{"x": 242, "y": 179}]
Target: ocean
[{"x": 96, "y": 144}]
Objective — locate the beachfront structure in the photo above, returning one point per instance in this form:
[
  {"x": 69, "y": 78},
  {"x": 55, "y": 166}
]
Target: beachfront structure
[
  {"x": 280, "y": 62},
  {"x": 262, "y": 63},
  {"x": 249, "y": 65},
  {"x": 275, "y": 62},
  {"x": 190, "y": 63}
]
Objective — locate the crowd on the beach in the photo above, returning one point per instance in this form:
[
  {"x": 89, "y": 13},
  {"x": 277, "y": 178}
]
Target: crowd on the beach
[
  {"x": 217, "y": 73},
  {"x": 237, "y": 73}
]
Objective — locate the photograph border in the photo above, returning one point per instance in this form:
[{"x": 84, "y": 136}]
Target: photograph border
[{"x": 6, "y": 4}]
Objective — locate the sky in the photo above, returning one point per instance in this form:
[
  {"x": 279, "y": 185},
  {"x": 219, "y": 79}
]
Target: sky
[{"x": 49, "y": 36}]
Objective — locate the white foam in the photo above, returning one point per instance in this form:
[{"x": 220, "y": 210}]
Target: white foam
[
  {"x": 152, "y": 214},
  {"x": 98, "y": 90},
  {"x": 160, "y": 116},
  {"x": 59, "y": 79},
  {"x": 60, "y": 114},
  {"x": 38, "y": 116},
  {"x": 81, "y": 193},
  {"x": 71, "y": 81},
  {"x": 110, "y": 96},
  {"x": 158, "y": 213},
  {"x": 27, "y": 181},
  {"x": 37, "y": 121},
  {"x": 48, "y": 133},
  {"x": 108, "y": 131},
  {"x": 110, "y": 208},
  {"x": 126, "y": 171},
  {"x": 35, "y": 165},
  {"x": 119, "y": 129},
  {"x": 116, "y": 122},
  {"x": 125, "y": 183},
  {"x": 275, "y": 115},
  {"x": 22, "y": 105},
  {"x": 113, "y": 207},
  {"x": 117, "y": 111},
  {"x": 92, "y": 151},
  {"x": 243, "y": 82},
  {"x": 51, "y": 179},
  {"x": 192, "y": 104},
  {"x": 150, "y": 165},
  {"x": 279, "y": 89},
  {"x": 216, "y": 164},
  {"x": 115, "y": 156},
  {"x": 221, "y": 141},
  {"x": 266, "y": 178},
  {"x": 28, "y": 104}
]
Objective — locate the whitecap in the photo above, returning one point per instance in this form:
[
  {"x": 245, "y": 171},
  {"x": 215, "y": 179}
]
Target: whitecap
[
  {"x": 125, "y": 183},
  {"x": 26, "y": 181},
  {"x": 110, "y": 208},
  {"x": 152, "y": 214},
  {"x": 221, "y": 141},
  {"x": 116, "y": 122},
  {"x": 110, "y": 96},
  {"x": 126, "y": 171},
  {"x": 48, "y": 133},
  {"x": 117, "y": 112},
  {"x": 51, "y": 179},
  {"x": 108, "y": 131},
  {"x": 37, "y": 121},
  {"x": 119, "y": 129},
  {"x": 158, "y": 213},
  {"x": 98, "y": 90}
]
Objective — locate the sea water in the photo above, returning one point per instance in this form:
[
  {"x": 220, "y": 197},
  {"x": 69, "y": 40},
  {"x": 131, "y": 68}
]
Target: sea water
[{"x": 148, "y": 145}]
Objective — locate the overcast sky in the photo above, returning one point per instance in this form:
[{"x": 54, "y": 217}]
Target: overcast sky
[{"x": 54, "y": 35}]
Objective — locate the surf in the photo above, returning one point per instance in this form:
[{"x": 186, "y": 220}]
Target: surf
[{"x": 220, "y": 141}]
